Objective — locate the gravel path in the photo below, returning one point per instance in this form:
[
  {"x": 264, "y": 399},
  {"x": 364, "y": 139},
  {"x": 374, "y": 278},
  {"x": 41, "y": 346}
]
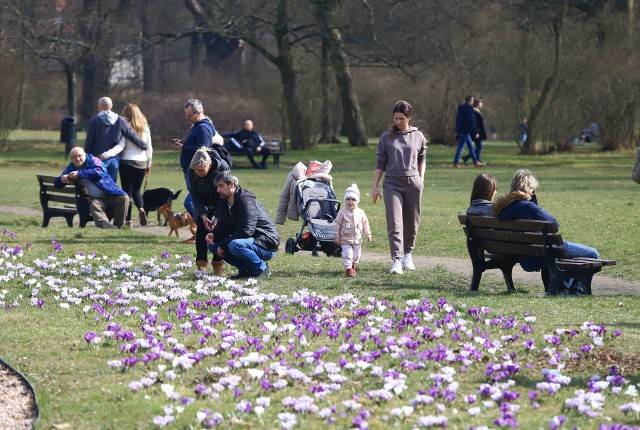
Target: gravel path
[{"x": 17, "y": 405}]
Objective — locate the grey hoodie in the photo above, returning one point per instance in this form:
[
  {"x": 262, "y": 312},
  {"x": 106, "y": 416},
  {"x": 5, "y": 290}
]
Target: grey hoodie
[{"x": 400, "y": 154}]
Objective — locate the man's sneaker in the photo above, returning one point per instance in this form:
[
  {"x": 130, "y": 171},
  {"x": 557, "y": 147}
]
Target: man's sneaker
[
  {"x": 242, "y": 275},
  {"x": 105, "y": 225},
  {"x": 396, "y": 268},
  {"x": 407, "y": 262},
  {"x": 266, "y": 272},
  {"x": 350, "y": 272}
]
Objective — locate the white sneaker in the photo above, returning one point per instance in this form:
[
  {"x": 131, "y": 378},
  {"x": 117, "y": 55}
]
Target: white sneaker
[
  {"x": 396, "y": 268},
  {"x": 407, "y": 262}
]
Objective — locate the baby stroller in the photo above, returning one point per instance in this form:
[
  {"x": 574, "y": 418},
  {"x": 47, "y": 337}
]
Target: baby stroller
[{"x": 318, "y": 207}]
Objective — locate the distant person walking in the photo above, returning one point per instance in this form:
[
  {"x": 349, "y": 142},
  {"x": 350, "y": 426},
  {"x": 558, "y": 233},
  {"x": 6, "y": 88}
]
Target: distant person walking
[
  {"x": 104, "y": 133},
  {"x": 467, "y": 130},
  {"x": 482, "y": 133},
  {"x": 523, "y": 131},
  {"x": 401, "y": 156}
]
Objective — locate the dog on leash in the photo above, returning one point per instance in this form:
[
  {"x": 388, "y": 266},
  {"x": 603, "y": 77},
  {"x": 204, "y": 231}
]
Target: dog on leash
[
  {"x": 157, "y": 197},
  {"x": 177, "y": 219}
]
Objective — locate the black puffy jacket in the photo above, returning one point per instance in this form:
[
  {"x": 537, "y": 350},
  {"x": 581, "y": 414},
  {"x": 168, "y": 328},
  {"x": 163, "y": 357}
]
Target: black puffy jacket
[{"x": 246, "y": 218}]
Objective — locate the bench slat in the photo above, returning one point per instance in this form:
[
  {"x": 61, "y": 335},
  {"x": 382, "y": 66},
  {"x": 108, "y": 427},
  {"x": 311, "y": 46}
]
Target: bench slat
[
  {"x": 51, "y": 190},
  {"x": 523, "y": 225},
  {"x": 513, "y": 236},
  {"x": 528, "y": 250}
]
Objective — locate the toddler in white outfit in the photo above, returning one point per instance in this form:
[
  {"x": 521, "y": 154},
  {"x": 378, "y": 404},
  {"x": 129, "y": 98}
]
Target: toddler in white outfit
[{"x": 349, "y": 227}]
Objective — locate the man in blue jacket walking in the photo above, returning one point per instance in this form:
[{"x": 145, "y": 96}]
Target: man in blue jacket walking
[{"x": 467, "y": 131}]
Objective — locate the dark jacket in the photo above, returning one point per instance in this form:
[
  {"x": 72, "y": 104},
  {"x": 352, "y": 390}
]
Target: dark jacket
[
  {"x": 105, "y": 131},
  {"x": 466, "y": 120},
  {"x": 92, "y": 170},
  {"x": 201, "y": 134},
  {"x": 516, "y": 205},
  {"x": 248, "y": 139},
  {"x": 480, "y": 124},
  {"x": 246, "y": 218}
]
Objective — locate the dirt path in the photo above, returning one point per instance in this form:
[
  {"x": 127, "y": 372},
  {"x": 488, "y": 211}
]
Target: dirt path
[{"x": 602, "y": 285}]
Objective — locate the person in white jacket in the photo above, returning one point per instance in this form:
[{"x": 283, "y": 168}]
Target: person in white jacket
[
  {"x": 350, "y": 226},
  {"x": 135, "y": 162}
]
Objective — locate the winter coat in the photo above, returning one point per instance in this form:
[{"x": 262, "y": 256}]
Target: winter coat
[
  {"x": 350, "y": 225},
  {"x": 203, "y": 190},
  {"x": 480, "y": 207},
  {"x": 480, "y": 124},
  {"x": 246, "y": 218},
  {"x": 466, "y": 120},
  {"x": 201, "y": 134},
  {"x": 516, "y": 205}
]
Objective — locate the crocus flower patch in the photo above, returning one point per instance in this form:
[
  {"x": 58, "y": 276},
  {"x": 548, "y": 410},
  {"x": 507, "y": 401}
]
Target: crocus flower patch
[{"x": 223, "y": 354}]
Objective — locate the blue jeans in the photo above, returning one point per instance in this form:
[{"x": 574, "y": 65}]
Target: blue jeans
[
  {"x": 576, "y": 250},
  {"x": 245, "y": 255},
  {"x": 462, "y": 139},
  {"x": 112, "y": 165},
  {"x": 188, "y": 202}
]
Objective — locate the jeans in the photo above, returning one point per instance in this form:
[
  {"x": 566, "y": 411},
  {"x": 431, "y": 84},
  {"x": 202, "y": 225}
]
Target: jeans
[
  {"x": 576, "y": 250},
  {"x": 462, "y": 139},
  {"x": 188, "y": 202},
  {"x": 245, "y": 255},
  {"x": 112, "y": 165}
]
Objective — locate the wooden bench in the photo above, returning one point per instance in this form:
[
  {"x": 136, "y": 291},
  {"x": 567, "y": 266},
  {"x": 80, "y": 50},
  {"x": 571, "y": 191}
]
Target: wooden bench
[
  {"x": 275, "y": 145},
  {"x": 63, "y": 202},
  {"x": 495, "y": 244}
]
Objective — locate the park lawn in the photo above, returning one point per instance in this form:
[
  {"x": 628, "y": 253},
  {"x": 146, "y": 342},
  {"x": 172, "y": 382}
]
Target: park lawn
[
  {"x": 590, "y": 192},
  {"x": 75, "y": 385}
]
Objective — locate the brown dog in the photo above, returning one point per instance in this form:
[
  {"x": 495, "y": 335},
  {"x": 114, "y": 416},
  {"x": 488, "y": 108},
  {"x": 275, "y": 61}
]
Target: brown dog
[{"x": 177, "y": 220}]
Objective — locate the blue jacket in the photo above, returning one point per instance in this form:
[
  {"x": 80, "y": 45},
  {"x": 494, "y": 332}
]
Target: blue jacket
[
  {"x": 516, "y": 205},
  {"x": 466, "y": 120},
  {"x": 201, "y": 134},
  {"x": 92, "y": 170},
  {"x": 105, "y": 131}
]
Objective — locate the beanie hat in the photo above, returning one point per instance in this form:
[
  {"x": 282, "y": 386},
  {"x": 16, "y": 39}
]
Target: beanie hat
[{"x": 352, "y": 192}]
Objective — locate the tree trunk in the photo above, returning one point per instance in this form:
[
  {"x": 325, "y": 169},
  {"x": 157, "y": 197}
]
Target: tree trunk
[
  {"x": 327, "y": 133},
  {"x": 71, "y": 91},
  {"x": 549, "y": 84},
  {"x": 150, "y": 67},
  {"x": 298, "y": 127},
  {"x": 325, "y": 11}
]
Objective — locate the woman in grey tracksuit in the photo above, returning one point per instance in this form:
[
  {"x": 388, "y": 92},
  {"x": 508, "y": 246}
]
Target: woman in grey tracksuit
[{"x": 401, "y": 157}]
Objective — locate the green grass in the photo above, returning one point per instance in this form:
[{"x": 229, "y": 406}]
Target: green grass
[{"x": 589, "y": 192}]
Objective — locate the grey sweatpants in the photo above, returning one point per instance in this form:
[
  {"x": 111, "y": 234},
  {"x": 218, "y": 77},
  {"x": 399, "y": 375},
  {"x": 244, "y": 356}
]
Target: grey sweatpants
[{"x": 402, "y": 197}]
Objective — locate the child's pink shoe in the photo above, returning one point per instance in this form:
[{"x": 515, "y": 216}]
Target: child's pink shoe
[{"x": 350, "y": 272}]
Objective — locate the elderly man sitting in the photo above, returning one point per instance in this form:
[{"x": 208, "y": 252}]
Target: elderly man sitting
[{"x": 107, "y": 199}]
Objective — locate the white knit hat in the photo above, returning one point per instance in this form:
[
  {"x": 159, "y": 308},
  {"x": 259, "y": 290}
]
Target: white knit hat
[{"x": 352, "y": 192}]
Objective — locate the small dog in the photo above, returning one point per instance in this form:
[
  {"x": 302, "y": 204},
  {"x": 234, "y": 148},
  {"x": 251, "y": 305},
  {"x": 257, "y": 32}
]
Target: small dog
[
  {"x": 177, "y": 220},
  {"x": 157, "y": 197}
]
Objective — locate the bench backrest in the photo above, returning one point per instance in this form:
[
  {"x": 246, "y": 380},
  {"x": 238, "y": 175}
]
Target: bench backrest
[
  {"x": 49, "y": 193},
  {"x": 517, "y": 237}
]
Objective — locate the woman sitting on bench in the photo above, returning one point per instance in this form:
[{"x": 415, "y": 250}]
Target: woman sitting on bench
[{"x": 521, "y": 203}]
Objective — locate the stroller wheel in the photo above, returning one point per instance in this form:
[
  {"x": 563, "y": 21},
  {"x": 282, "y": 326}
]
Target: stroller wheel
[
  {"x": 290, "y": 246},
  {"x": 315, "y": 252}
]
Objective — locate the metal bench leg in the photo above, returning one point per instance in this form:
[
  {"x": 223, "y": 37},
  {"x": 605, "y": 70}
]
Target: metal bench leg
[{"x": 507, "y": 274}]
